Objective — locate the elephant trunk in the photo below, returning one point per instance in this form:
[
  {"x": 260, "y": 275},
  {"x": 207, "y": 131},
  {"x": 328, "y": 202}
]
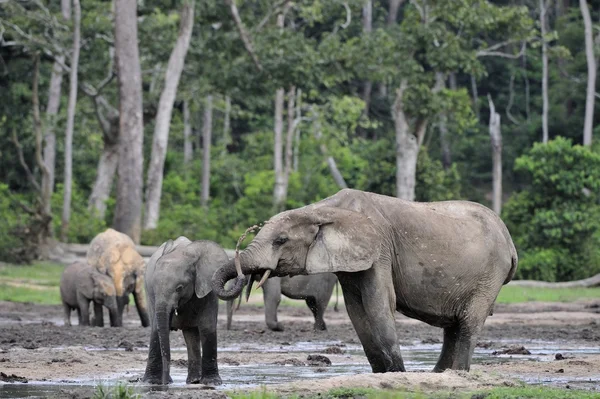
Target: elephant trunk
[
  {"x": 163, "y": 321},
  {"x": 228, "y": 272},
  {"x": 116, "y": 317}
]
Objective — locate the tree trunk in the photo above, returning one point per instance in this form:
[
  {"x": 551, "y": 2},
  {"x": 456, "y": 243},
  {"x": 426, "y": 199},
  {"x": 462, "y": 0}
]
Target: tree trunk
[
  {"x": 68, "y": 175},
  {"x": 475, "y": 95},
  {"x": 591, "y": 78},
  {"x": 226, "y": 140},
  {"x": 131, "y": 137},
  {"x": 496, "y": 141},
  {"x": 367, "y": 19},
  {"x": 295, "y": 162},
  {"x": 407, "y": 149},
  {"x": 543, "y": 13},
  {"x": 289, "y": 139},
  {"x": 51, "y": 112},
  {"x": 206, "y": 144},
  {"x": 333, "y": 169},
  {"x": 279, "y": 189},
  {"x": 164, "y": 114},
  {"x": 593, "y": 281},
  {"x": 107, "y": 167},
  {"x": 443, "y": 124},
  {"x": 187, "y": 133}
]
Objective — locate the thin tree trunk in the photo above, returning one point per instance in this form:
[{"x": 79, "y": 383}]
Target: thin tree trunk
[
  {"x": 591, "y": 78},
  {"x": 407, "y": 149},
  {"x": 475, "y": 95},
  {"x": 295, "y": 162},
  {"x": 164, "y": 114},
  {"x": 206, "y": 144},
  {"x": 393, "y": 11},
  {"x": 68, "y": 175},
  {"x": 543, "y": 13},
  {"x": 226, "y": 140},
  {"x": 443, "y": 124},
  {"x": 333, "y": 169},
  {"x": 289, "y": 139},
  {"x": 279, "y": 188},
  {"x": 187, "y": 133},
  {"x": 527, "y": 92},
  {"x": 496, "y": 141},
  {"x": 367, "y": 19},
  {"x": 52, "y": 107},
  {"x": 128, "y": 210},
  {"x": 107, "y": 165}
]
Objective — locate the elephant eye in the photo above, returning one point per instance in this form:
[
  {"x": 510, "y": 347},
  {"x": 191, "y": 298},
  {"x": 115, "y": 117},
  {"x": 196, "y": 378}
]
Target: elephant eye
[
  {"x": 280, "y": 241},
  {"x": 179, "y": 288}
]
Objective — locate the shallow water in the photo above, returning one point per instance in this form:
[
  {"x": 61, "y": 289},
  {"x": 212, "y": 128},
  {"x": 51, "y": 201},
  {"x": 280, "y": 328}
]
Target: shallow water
[{"x": 417, "y": 357}]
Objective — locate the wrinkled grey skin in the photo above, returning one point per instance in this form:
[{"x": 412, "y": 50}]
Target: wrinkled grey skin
[
  {"x": 441, "y": 262},
  {"x": 80, "y": 284},
  {"x": 315, "y": 290},
  {"x": 180, "y": 297}
]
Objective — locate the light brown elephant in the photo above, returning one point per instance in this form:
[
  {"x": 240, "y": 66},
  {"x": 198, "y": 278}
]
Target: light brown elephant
[{"x": 114, "y": 254}]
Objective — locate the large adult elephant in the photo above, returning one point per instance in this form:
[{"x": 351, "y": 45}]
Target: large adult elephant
[
  {"x": 440, "y": 262},
  {"x": 114, "y": 254},
  {"x": 316, "y": 290}
]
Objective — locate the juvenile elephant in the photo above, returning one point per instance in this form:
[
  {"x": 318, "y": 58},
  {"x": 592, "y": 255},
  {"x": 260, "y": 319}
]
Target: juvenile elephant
[
  {"x": 114, "y": 254},
  {"x": 315, "y": 290},
  {"x": 180, "y": 297},
  {"x": 79, "y": 285},
  {"x": 440, "y": 262}
]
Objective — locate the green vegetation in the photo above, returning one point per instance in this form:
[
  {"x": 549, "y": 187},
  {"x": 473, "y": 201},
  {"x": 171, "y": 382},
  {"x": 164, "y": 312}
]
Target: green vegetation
[
  {"x": 38, "y": 283},
  {"x": 515, "y": 294},
  {"x": 119, "y": 391},
  {"x": 538, "y": 392}
]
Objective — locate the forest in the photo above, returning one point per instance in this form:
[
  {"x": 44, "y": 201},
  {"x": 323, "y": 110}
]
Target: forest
[{"x": 164, "y": 118}]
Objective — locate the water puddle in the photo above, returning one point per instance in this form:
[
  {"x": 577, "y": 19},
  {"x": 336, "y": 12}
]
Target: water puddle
[{"x": 417, "y": 357}]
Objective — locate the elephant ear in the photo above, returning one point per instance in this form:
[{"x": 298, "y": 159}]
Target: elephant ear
[
  {"x": 209, "y": 257},
  {"x": 347, "y": 241}
]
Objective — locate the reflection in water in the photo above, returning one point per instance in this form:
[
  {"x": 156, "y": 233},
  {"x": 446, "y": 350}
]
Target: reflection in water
[{"x": 417, "y": 357}]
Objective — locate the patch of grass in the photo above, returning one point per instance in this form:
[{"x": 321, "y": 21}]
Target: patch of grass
[
  {"x": 515, "y": 294},
  {"x": 120, "y": 391},
  {"x": 538, "y": 392},
  {"x": 37, "y": 283}
]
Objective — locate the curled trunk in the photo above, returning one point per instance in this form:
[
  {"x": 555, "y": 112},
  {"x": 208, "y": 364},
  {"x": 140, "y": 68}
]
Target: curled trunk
[{"x": 228, "y": 272}]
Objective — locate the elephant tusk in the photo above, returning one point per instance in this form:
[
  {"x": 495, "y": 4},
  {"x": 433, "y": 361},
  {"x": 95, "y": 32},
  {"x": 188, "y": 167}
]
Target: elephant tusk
[
  {"x": 238, "y": 266},
  {"x": 249, "y": 287},
  {"x": 176, "y": 314},
  {"x": 264, "y": 278}
]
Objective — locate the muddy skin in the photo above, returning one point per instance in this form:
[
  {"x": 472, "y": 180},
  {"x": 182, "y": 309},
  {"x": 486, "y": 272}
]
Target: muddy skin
[{"x": 35, "y": 345}]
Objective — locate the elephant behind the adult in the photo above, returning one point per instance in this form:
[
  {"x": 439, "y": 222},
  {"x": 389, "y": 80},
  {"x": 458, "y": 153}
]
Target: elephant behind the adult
[
  {"x": 114, "y": 254},
  {"x": 315, "y": 289},
  {"x": 441, "y": 262}
]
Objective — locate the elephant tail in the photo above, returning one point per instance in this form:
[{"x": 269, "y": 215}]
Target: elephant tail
[
  {"x": 514, "y": 260},
  {"x": 335, "y": 307}
]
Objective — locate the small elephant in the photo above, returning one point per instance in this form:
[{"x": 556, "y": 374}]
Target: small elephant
[
  {"x": 114, "y": 254},
  {"x": 443, "y": 263},
  {"x": 79, "y": 285},
  {"x": 180, "y": 297},
  {"x": 316, "y": 290}
]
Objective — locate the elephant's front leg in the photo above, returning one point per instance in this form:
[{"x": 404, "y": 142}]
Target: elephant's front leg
[
  {"x": 84, "y": 310},
  {"x": 153, "y": 374},
  {"x": 192, "y": 341},
  {"x": 370, "y": 309},
  {"x": 208, "y": 336},
  {"x": 272, "y": 298},
  {"x": 98, "y": 319}
]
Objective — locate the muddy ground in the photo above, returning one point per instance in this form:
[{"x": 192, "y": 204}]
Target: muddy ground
[{"x": 68, "y": 362}]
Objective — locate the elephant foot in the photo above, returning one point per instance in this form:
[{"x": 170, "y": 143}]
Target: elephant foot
[
  {"x": 213, "y": 380},
  {"x": 320, "y": 327},
  {"x": 195, "y": 379},
  {"x": 276, "y": 327},
  {"x": 155, "y": 379}
]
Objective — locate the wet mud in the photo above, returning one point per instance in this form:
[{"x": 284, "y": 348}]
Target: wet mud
[{"x": 538, "y": 343}]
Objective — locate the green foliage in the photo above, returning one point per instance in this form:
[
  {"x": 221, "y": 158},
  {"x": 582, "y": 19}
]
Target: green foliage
[
  {"x": 433, "y": 182},
  {"x": 555, "y": 220},
  {"x": 119, "y": 391},
  {"x": 84, "y": 224}
]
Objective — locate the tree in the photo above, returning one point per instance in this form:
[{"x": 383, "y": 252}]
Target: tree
[
  {"x": 591, "y": 75},
  {"x": 543, "y": 13},
  {"x": 496, "y": 140},
  {"x": 163, "y": 116},
  {"x": 206, "y": 145},
  {"x": 68, "y": 174},
  {"x": 187, "y": 133},
  {"x": 131, "y": 130}
]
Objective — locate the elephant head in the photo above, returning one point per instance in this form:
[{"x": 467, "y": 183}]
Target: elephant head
[
  {"x": 308, "y": 240},
  {"x": 105, "y": 294},
  {"x": 178, "y": 271}
]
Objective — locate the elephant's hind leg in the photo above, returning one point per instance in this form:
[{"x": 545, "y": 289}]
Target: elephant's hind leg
[
  {"x": 448, "y": 354},
  {"x": 208, "y": 336},
  {"x": 67, "y": 310},
  {"x": 318, "y": 310},
  {"x": 192, "y": 341}
]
